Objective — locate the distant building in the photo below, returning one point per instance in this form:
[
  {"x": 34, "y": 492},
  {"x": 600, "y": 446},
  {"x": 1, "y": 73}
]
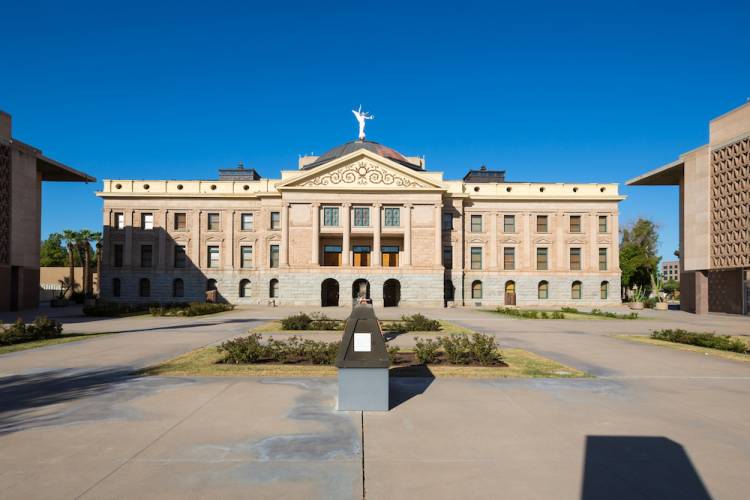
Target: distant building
[
  {"x": 361, "y": 220},
  {"x": 670, "y": 270},
  {"x": 714, "y": 182},
  {"x": 22, "y": 170}
]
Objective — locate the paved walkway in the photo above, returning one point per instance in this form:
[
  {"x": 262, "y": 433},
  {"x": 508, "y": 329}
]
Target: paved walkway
[{"x": 655, "y": 423}]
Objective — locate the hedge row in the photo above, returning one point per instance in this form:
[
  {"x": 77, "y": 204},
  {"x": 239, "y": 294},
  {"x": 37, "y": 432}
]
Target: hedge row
[
  {"x": 251, "y": 349},
  {"x": 40, "y": 329},
  {"x": 459, "y": 349},
  {"x": 710, "y": 340}
]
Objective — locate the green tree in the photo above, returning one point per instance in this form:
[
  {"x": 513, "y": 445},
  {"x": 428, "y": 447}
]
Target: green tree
[
  {"x": 71, "y": 243},
  {"x": 52, "y": 252},
  {"x": 638, "y": 259}
]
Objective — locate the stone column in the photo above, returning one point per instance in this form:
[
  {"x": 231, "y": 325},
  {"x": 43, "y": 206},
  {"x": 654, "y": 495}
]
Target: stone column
[
  {"x": 229, "y": 240},
  {"x": 493, "y": 242},
  {"x": 127, "y": 251},
  {"x": 284, "y": 249},
  {"x": 614, "y": 246},
  {"x": 438, "y": 260},
  {"x": 315, "y": 254},
  {"x": 407, "y": 235},
  {"x": 556, "y": 258},
  {"x": 162, "y": 255},
  {"x": 376, "y": 230},
  {"x": 195, "y": 235},
  {"x": 347, "y": 229},
  {"x": 593, "y": 235}
]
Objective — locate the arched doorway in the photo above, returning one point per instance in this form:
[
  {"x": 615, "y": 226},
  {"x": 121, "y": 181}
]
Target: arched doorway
[
  {"x": 449, "y": 291},
  {"x": 360, "y": 289},
  {"x": 510, "y": 293},
  {"x": 211, "y": 285},
  {"x": 391, "y": 293},
  {"x": 329, "y": 293}
]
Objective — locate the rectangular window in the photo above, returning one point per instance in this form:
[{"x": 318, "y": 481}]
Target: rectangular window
[
  {"x": 509, "y": 258},
  {"x": 147, "y": 221},
  {"x": 575, "y": 223},
  {"x": 575, "y": 259},
  {"x": 118, "y": 256},
  {"x": 476, "y": 258},
  {"x": 213, "y": 257},
  {"x": 331, "y": 216},
  {"x": 214, "y": 222},
  {"x": 447, "y": 221},
  {"x": 275, "y": 220},
  {"x": 361, "y": 217},
  {"x": 246, "y": 222},
  {"x": 147, "y": 256},
  {"x": 361, "y": 255},
  {"x": 602, "y": 259},
  {"x": 541, "y": 259},
  {"x": 603, "y": 224},
  {"x": 389, "y": 256},
  {"x": 180, "y": 221},
  {"x": 180, "y": 259},
  {"x": 246, "y": 256},
  {"x": 476, "y": 223},
  {"x": 274, "y": 256},
  {"x": 542, "y": 225},
  {"x": 119, "y": 220},
  {"x": 448, "y": 257},
  {"x": 509, "y": 223},
  {"x": 332, "y": 255},
  {"x": 392, "y": 217}
]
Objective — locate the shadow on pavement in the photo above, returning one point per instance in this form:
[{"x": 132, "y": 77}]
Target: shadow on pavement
[
  {"x": 406, "y": 382},
  {"x": 24, "y": 398},
  {"x": 649, "y": 467}
]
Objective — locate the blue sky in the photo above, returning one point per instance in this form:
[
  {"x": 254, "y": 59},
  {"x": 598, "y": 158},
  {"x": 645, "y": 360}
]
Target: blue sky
[{"x": 573, "y": 92}]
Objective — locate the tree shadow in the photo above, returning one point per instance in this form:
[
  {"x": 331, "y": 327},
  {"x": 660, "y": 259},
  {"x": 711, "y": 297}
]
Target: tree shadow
[
  {"x": 649, "y": 467},
  {"x": 406, "y": 382}
]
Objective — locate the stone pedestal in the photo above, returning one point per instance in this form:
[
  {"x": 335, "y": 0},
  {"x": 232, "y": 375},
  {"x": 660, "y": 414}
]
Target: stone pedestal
[{"x": 363, "y": 389}]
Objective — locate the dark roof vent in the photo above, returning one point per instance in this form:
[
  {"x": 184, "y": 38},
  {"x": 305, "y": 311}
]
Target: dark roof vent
[
  {"x": 484, "y": 175},
  {"x": 238, "y": 174}
]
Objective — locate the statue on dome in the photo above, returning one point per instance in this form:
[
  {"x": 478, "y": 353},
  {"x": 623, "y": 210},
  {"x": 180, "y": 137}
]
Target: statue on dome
[{"x": 361, "y": 116}]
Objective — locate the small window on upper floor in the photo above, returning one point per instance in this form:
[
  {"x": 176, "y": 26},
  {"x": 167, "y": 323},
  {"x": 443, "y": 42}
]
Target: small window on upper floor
[
  {"x": 147, "y": 221},
  {"x": 214, "y": 222},
  {"x": 275, "y": 220},
  {"x": 331, "y": 216},
  {"x": 447, "y": 221},
  {"x": 361, "y": 216},
  {"x": 476, "y": 223},
  {"x": 119, "y": 220},
  {"x": 509, "y": 223},
  {"x": 603, "y": 226},
  {"x": 246, "y": 222},
  {"x": 180, "y": 221},
  {"x": 392, "y": 216},
  {"x": 575, "y": 223},
  {"x": 542, "y": 224}
]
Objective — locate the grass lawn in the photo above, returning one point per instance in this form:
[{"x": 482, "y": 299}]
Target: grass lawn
[
  {"x": 735, "y": 356},
  {"x": 203, "y": 362},
  {"x": 446, "y": 328},
  {"x": 66, "y": 337}
]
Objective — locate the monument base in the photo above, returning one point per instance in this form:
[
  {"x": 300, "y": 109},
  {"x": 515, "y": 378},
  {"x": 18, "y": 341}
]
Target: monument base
[{"x": 363, "y": 389}]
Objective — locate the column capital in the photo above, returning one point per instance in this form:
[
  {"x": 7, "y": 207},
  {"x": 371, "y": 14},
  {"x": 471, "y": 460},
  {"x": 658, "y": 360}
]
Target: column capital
[
  {"x": 315, "y": 204},
  {"x": 377, "y": 205},
  {"x": 408, "y": 205},
  {"x": 284, "y": 204},
  {"x": 346, "y": 204}
]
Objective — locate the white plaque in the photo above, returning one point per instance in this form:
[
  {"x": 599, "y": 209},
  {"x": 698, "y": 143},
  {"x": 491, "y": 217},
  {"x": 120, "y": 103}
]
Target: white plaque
[{"x": 362, "y": 342}]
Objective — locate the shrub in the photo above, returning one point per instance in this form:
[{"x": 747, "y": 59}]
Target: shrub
[
  {"x": 461, "y": 349},
  {"x": 78, "y": 297},
  {"x": 710, "y": 340},
  {"x": 571, "y": 310},
  {"x": 322, "y": 322},
  {"x": 557, "y": 315},
  {"x": 599, "y": 312},
  {"x": 420, "y": 323},
  {"x": 649, "y": 303},
  {"x": 426, "y": 350},
  {"x": 393, "y": 327},
  {"x": 40, "y": 329},
  {"x": 117, "y": 309},
  {"x": 201, "y": 308},
  {"x": 299, "y": 321},
  {"x": 392, "y": 353},
  {"x": 251, "y": 349}
]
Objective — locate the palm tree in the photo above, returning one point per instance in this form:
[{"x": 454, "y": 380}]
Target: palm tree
[
  {"x": 84, "y": 247},
  {"x": 71, "y": 241},
  {"x": 97, "y": 237}
]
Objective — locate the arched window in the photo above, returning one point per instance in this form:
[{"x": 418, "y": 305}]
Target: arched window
[
  {"x": 542, "y": 290},
  {"x": 245, "y": 288},
  {"x": 178, "y": 288},
  {"x": 510, "y": 287},
  {"x": 211, "y": 285},
  {"x": 273, "y": 289},
  {"x": 576, "y": 290},
  {"x": 116, "y": 287},
  {"x": 604, "y": 290},
  {"x": 144, "y": 287},
  {"x": 476, "y": 290}
]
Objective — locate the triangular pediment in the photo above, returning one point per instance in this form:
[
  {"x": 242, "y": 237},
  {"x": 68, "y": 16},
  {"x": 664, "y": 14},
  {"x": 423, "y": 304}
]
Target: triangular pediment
[{"x": 361, "y": 170}]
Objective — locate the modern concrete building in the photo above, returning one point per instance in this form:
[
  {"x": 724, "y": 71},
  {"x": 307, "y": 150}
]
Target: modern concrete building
[
  {"x": 22, "y": 170},
  {"x": 361, "y": 219},
  {"x": 670, "y": 270},
  {"x": 714, "y": 182}
]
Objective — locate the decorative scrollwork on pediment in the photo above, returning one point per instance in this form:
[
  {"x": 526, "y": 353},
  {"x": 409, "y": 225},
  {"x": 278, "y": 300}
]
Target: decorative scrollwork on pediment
[{"x": 363, "y": 173}]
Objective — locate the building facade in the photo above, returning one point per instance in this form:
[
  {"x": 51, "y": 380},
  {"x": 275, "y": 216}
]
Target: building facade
[
  {"x": 362, "y": 219},
  {"x": 23, "y": 168},
  {"x": 714, "y": 183},
  {"x": 670, "y": 270}
]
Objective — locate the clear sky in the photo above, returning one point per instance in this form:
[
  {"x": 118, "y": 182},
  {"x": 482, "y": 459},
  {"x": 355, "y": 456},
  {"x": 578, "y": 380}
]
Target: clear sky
[{"x": 558, "y": 91}]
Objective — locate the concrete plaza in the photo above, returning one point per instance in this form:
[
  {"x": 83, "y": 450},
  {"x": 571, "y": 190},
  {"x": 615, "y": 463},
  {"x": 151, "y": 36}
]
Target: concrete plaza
[{"x": 654, "y": 422}]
